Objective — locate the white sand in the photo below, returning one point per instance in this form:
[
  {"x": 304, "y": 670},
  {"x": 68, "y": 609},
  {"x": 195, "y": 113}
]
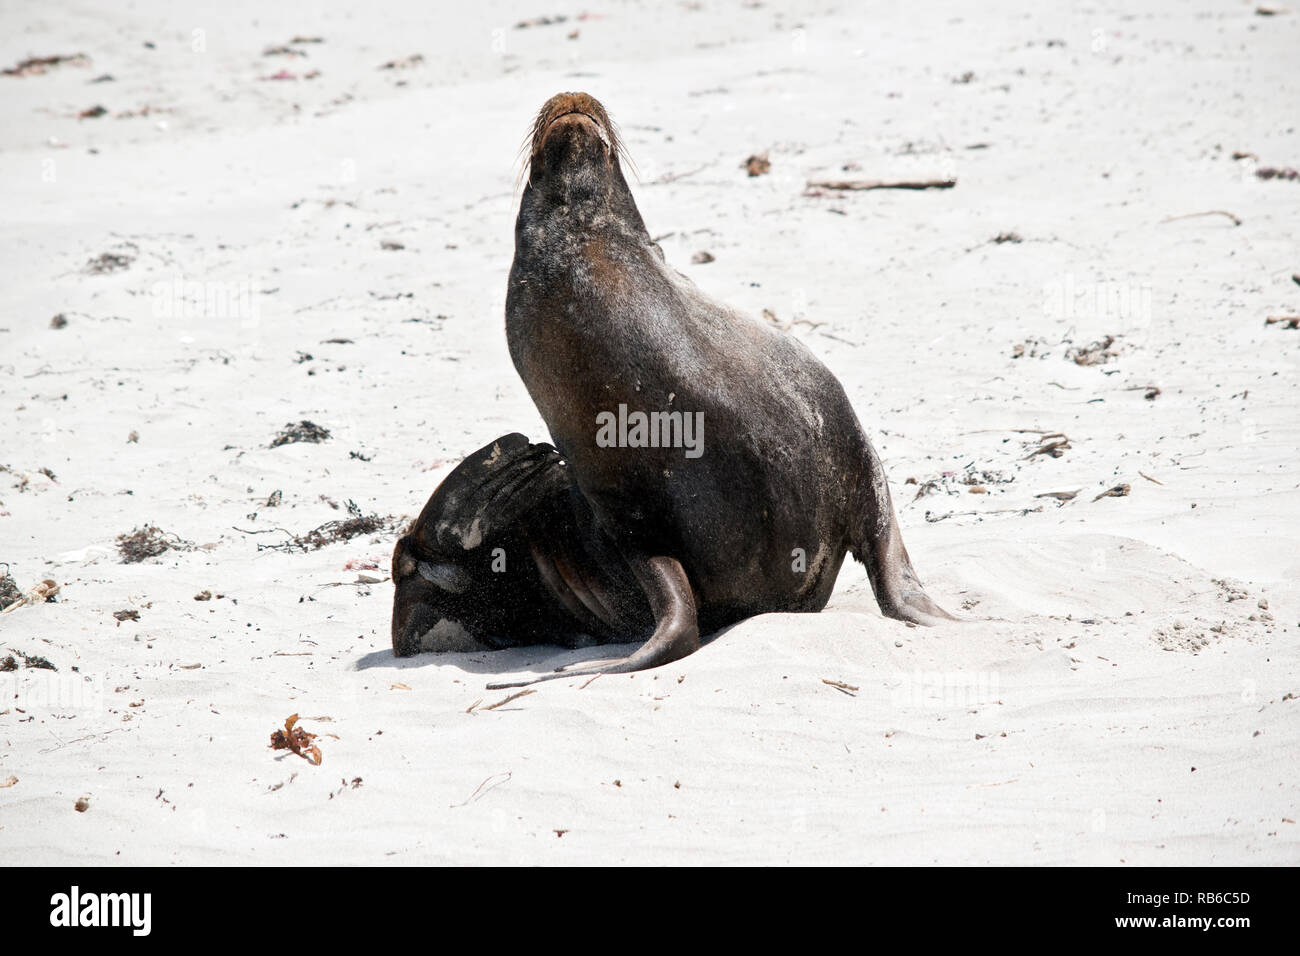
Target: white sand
[{"x": 1109, "y": 704}]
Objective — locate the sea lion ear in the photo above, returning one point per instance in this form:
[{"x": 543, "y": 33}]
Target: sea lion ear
[{"x": 444, "y": 574}]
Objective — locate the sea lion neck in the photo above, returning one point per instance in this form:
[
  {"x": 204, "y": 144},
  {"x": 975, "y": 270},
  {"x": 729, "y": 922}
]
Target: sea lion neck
[{"x": 553, "y": 219}]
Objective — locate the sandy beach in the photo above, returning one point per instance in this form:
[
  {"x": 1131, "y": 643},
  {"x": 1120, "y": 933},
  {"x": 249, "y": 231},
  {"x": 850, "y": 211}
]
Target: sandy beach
[{"x": 223, "y": 223}]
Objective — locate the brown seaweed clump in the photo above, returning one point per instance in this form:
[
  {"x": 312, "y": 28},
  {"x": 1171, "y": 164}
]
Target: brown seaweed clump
[{"x": 148, "y": 542}]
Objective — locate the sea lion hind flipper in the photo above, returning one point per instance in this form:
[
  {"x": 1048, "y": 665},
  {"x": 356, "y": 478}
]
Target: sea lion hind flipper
[
  {"x": 676, "y": 634},
  {"x": 878, "y": 543}
]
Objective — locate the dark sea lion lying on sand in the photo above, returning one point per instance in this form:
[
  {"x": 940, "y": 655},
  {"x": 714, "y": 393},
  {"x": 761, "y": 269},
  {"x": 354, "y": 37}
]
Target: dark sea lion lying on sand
[{"x": 507, "y": 553}]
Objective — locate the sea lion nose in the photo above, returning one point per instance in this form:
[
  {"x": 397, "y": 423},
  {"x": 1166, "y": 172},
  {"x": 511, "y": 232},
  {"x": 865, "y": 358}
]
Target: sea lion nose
[{"x": 571, "y": 102}]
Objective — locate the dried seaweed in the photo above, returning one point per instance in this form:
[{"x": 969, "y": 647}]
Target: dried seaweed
[
  {"x": 333, "y": 532},
  {"x": 9, "y": 590},
  {"x": 108, "y": 262},
  {"x": 1098, "y": 353},
  {"x": 148, "y": 542},
  {"x": 296, "y": 739},
  {"x": 29, "y": 661},
  {"x": 304, "y": 431}
]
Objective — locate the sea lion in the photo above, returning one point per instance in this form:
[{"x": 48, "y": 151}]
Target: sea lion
[
  {"x": 507, "y": 552},
  {"x": 757, "y": 514}
]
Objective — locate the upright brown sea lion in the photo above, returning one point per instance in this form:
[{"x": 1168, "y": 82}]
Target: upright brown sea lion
[{"x": 754, "y": 512}]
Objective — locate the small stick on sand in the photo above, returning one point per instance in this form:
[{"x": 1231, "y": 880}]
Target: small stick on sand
[
  {"x": 863, "y": 184},
  {"x": 842, "y": 687},
  {"x": 1060, "y": 495},
  {"x": 1150, "y": 479},
  {"x": 506, "y": 700},
  {"x": 673, "y": 177},
  {"x": 1018, "y": 431},
  {"x": 491, "y": 783},
  {"x": 1151, "y": 391},
  {"x": 262, "y": 531},
  {"x": 1208, "y": 212}
]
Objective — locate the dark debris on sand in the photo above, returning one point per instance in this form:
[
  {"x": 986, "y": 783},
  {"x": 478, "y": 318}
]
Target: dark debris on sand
[
  {"x": 108, "y": 262},
  {"x": 30, "y": 661},
  {"x": 1098, "y": 353},
  {"x": 148, "y": 542},
  {"x": 303, "y": 431},
  {"x": 757, "y": 165},
  {"x": 9, "y": 589},
  {"x": 333, "y": 532},
  {"x": 36, "y": 65}
]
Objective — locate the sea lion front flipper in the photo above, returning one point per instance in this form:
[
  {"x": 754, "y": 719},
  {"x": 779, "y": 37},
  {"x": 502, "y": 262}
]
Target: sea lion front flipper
[{"x": 676, "y": 633}]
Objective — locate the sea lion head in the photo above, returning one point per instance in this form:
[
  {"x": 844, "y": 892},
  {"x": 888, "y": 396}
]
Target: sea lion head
[
  {"x": 574, "y": 150},
  {"x": 457, "y": 584}
]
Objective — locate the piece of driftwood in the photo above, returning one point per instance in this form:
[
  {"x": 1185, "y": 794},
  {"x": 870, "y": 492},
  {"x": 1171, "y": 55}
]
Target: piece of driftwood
[
  {"x": 1209, "y": 212},
  {"x": 1119, "y": 491},
  {"x": 1059, "y": 495},
  {"x": 861, "y": 184}
]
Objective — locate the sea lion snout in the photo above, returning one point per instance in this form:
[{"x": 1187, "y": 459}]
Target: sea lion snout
[
  {"x": 573, "y": 125},
  {"x": 428, "y": 617},
  {"x": 572, "y": 130},
  {"x": 561, "y": 106},
  {"x": 424, "y": 603}
]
